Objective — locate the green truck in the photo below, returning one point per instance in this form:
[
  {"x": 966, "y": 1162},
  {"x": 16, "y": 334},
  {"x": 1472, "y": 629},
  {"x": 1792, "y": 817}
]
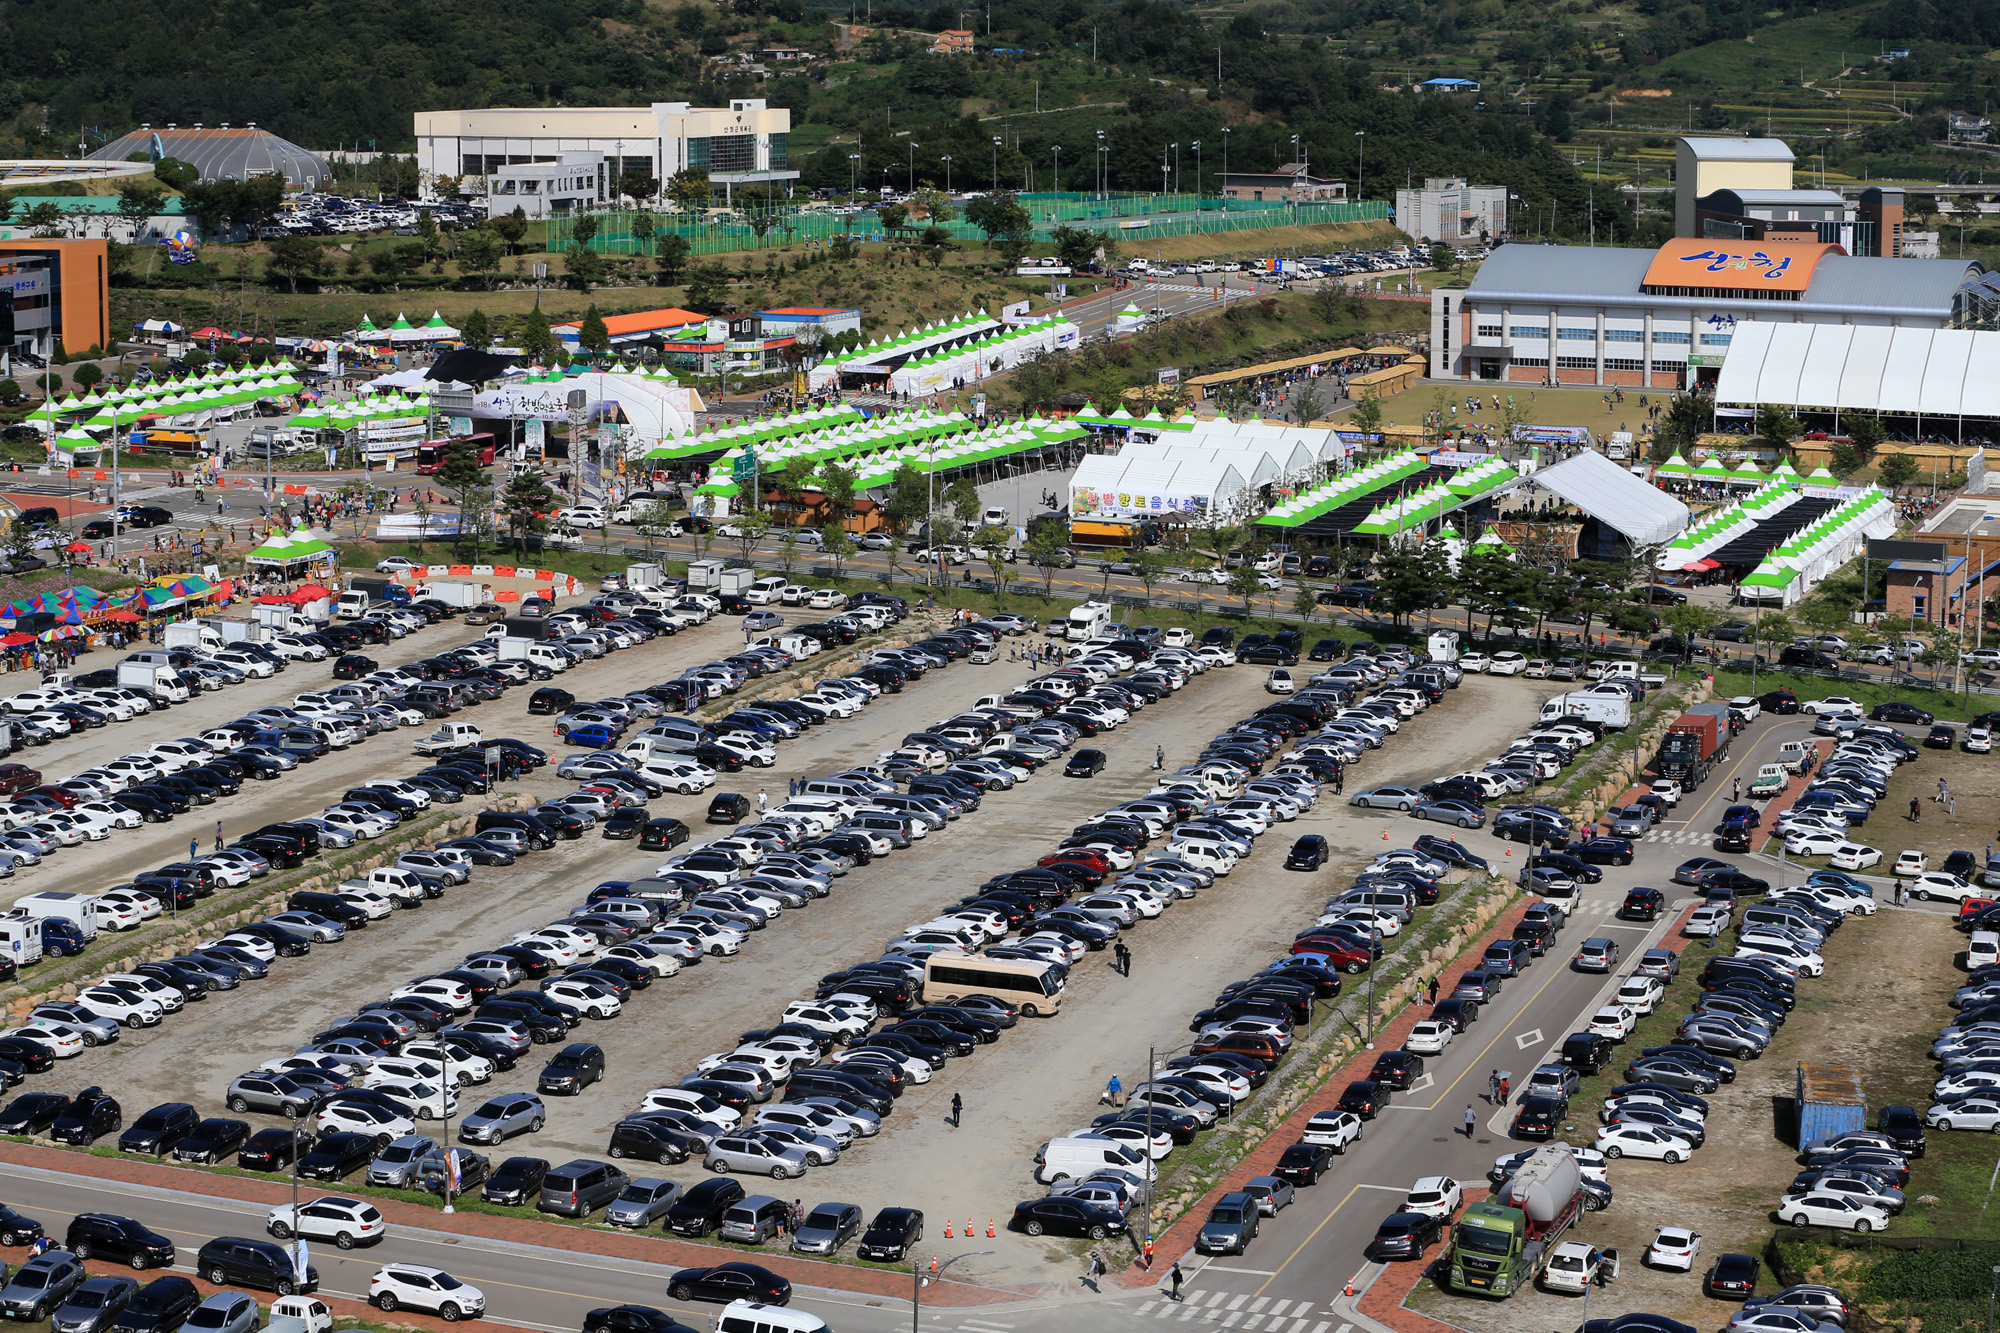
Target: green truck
[{"x": 1501, "y": 1245}]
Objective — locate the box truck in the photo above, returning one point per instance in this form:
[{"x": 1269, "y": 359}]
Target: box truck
[
  {"x": 160, "y": 681},
  {"x": 20, "y": 941},
  {"x": 1612, "y": 711},
  {"x": 192, "y": 635},
  {"x": 79, "y": 909},
  {"x": 352, "y": 605},
  {"x": 453, "y": 592}
]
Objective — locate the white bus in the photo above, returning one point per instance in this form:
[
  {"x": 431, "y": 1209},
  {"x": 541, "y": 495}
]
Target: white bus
[{"x": 1034, "y": 988}]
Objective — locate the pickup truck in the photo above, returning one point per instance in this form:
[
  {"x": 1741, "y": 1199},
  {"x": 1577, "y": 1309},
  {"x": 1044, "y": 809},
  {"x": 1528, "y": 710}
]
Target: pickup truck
[
  {"x": 405, "y": 888},
  {"x": 1575, "y": 1265}
]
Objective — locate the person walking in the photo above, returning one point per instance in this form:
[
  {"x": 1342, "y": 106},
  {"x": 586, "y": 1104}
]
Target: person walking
[
  {"x": 1493, "y": 1087},
  {"x": 762, "y": 800},
  {"x": 1092, "y": 1270},
  {"x": 1471, "y": 1120},
  {"x": 957, "y": 1110},
  {"x": 1944, "y": 791},
  {"x": 194, "y": 848},
  {"x": 1735, "y": 790},
  {"x": 1159, "y": 757},
  {"x": 1175, "y": 1277},
  {"x": 1114, "y": 1093},
  {"x": 218, "y": 835},
  {"x": 1123, "y": 956},
  {"x": 1916, "y": 811},
  {"x": 1432, "y": 989}
]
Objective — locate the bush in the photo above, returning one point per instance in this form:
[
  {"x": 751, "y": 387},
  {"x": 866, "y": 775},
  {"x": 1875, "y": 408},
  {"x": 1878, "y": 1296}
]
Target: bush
[{"x": 10, "y": 393}]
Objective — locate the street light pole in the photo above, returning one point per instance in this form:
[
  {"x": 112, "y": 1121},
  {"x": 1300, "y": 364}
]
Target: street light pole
[
  {"x": 919, "y": 1280},
  {"x": 947, "y": 175},
  {"x": 996, "y": 164},
  {"x": 913, "y": 167},
  {"x": 1360, "y": 161}
]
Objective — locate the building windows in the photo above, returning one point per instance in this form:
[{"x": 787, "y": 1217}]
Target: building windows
[
  {"x": 1920, "y": 607},
  {"x": 697, "y": 154},
  {"x": 1576, "y": 363},
  {"x": 732, "y": 153},
  {"x": 1577, "y": 335},
  {"x": 1621, "y": 335},
  {"x": 1486, "y": 331},
  {"x": 1540, "y": 361},
  {"x": 1715, "y": 339},
  {"x": 1669, "y": 367},
  {"x": 1670, "y": 339},
  {"x": 1528, "y": 331},
  {"x": 1623, "y": 363},
  {"x": 780, "y": 151}
]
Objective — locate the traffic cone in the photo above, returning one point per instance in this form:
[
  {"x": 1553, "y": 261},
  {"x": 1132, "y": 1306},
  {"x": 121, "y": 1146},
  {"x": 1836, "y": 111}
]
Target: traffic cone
[
  {"x": 1350, "y": 1288},
  {"x": 1510, "y": 851},
  {"x": 990, "y": 1232},
  {"x": 969, "y": 1232},
  {"x": 1385, "y": 833},
  {"x": 947, "y": 1228}
]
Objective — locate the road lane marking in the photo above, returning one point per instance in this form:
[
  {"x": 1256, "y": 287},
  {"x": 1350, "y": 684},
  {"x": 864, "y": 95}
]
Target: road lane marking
[
  {"x": 1532, "y": 1037},
  {"x": 1238, "y": 1302}
]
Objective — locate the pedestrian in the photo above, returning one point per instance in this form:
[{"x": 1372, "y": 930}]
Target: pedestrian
[
  {"x": 1432, "y": 997},
  {"x": 1123, "y": 956},
  {"x": 218, "y": 835},
  {"x": 1916, "y": 811},
  {"x": 1735, "y": 790},
  {"x": 798, "y": 1215},
  {"x": 791, "y": 788},
  {"x": 1159, "y": 757},
  {"x": 1175, "y": 1276},
  {"x": 957, "y": 1110},
  {"x": 1471, "y": 1119},
  {"x": 1114, "y": 1093},
  {"x": 1714, "y": 929},
  {"x": 1944, "y": 790},
  {"x": 1493, "y": 1087},
  {"x": 1951, "y": 805},
  {"x": 194, "y": 848}
]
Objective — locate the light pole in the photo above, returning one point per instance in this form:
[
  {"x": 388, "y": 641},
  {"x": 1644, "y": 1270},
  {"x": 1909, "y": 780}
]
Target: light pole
[
  {"x": 996, "y": 164},
  {"x": 1360, "y": 161},
  {"x": 1100, "y": 164},
  {"x": 1197, "y": 182},
  {"x": 913, "y": 166},
  {"x": 1177, "y": 168},
  {"x": 1055, "y": 153},
  {"x": 1163, "y": 169},
  {"x": 920, "y": 1279},
  {"x": 447, "y": 1090},
  {"x": 853, "y": 165},
  {"x": 1152, "y": 1064},
  {"x": 298, "y": 1240},
  {"x": 1223, "y": 187},
  {"x": 946, "y": 159}
]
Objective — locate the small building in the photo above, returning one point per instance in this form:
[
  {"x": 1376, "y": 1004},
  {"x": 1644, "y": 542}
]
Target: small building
[
  {"x": 781, "y": 53},
  {"x": 1448, "y": 86},
  {"x": 953, "y": 42},
  {"x": 1289, "y": 184},
  {"x": 731, "y": 345},
  {"x": 645, "y": 328},
  {"x": 1966, "y": 128},
  {"x": 1450, "y": 211},
  {"x": 223, "y": 153},
  {"x": 52, "y": 291},
  {"x": 796, "y": 319},
  {"x": 573, "y": 183},
  {"x": 98, "y": 215},
  {"x": 1926, "y": 591}
]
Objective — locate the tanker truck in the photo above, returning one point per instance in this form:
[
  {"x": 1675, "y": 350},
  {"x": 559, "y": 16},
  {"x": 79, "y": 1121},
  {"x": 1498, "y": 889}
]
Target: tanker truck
[{"x": 1501, "y": 1245}]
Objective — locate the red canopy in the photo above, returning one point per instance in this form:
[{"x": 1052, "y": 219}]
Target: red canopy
[
  {"x": 1702, "y": 566},
  {"x": 122, "y": 614},
  {"x": 311, "y": 592},
  {"x": 16, "y": 638},
  {"x": 210, "y": 332},
  {"x": 75, "y": 548}
]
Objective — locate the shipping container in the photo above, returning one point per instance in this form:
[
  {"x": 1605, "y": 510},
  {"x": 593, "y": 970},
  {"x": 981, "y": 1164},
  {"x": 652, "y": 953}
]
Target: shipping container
[
  {"x": 1694, "y": 744},
  {"x": 1829, "y": 1103}
]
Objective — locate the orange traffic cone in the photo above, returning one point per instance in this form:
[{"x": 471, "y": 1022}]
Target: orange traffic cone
[
  {"x": 990, "y": 1232},
  {"x": 969, "y": 1232},
  {"x": 1385, "y": 833},
  {"x": 1510, "y": 851},
  {"x": 1350, "y": 1288},
  {"x": 947, "y": 1228}
]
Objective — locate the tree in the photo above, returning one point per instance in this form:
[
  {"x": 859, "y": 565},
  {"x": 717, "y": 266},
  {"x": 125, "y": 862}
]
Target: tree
[
  {"x": 837, "y": 483},
  {"x": 1001, "y": 217},
  {"x": 583, "y": 230},
  {"x": 175, "y": 174},
  {"x": 909, "y": 498},
  {"x": 295, "y": 257},
  {"x": 933, "y": 205},
  {"x": 1307, "y": 405},
  {"x": 640, "y": 185},
  {"x": 963, "y": 499},
  {"x": 1305, "y": 602},
  {"x": 1772, "y": 632},
  {"x": 510, "y": 227},
  {"x": 1149, "y": 567},
  {"x": 1776, "y": 429},
  {"x": 1897, "y": 471},
  {"x": 255, "y": 203},
  {"x": 1366, "y": 417},
  {"x": 708, "y": 289},
  {"x": 430, "y": 239},
  {"x": 479, "y": 254},
  {"x": 138, "y": 201},
  {"x": 1246, "y": 583},
  {"x": 46, "y": 218},
  {"x": 1490, "y": 583},
  {"x": 1046, "y": 552},
  {"x": 936, "y": 243},
  {"x": 525, "y": 502},
  {"x": 537, "y": 343},
  {"x": 892, "y": 216},
  {"x": 991, "y": 541},
  {"x": 837, "y": 545},
  {"x": 584, "y": 266},
  {"x": 10, "y": 393},
  {"x": 1843, "y": 460},
  {"x": 88, "y": 375},
  {"x": 672, "y": 259},
  {"x": 594, "y": 336},
  {"x": 747, "y": 528},
  {"x": 1690, "y": 621},
  {"x": 1078, "y": 248},
  {"x": 476, "y": 329},
  {"x": 1680, "y": 425},
  {"x": 690, "y": 189},
  {"x": 460, "y": 475},
  {"x": 1868, "y": 436},
  {"x": 1411, "y": 579},
  {"x": 643, "y": 227}
]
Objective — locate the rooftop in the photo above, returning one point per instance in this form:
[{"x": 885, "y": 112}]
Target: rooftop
[{"x": 1738, "y": 150}]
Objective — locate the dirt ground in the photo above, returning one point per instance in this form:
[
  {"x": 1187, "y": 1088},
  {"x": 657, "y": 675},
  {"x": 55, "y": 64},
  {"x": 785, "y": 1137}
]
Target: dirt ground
[
  {"x": 1012, "y": 1103},
  {"x": 1963, "y": 821}
]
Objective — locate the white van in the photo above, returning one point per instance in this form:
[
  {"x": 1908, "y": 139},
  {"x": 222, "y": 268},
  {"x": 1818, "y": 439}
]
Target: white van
[
  {"x": 1084, "y": 1155},
  {"x": 765, "y": 591},
  {"x": 543, "y": 655},
  {"x": 1210, "y": 858},
  {"x": 1792, "y": 754},
  {"x": 751, "y": 1317},
  {"x": 1982, "y": 950}
]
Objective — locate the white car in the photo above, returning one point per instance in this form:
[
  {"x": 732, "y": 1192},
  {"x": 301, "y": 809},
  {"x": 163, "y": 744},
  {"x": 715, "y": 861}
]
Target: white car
[
  {"x": 1473, "y": 662},
  {"x": 701, "y": 1108},
  {"x": 345, "y": 1222},
  {"x": 1614, "y": 1021},
  {"x": 255, "y": 945},
  {"x": 117, "y": 816},
  {"x": 453, "y": 995},
  {"x": 1935, "y": 884},
  {"x": 62, "y": 1040},
  {"x": 1428, "y": 1038},
  {"x": 1641, "y": 994},
  {"x": 429, "y": 1101},
  {"x": 363, "y": 1118},
  {"x": 1855, "y": 856},
  {"x": 1797, "y": 956},
  {"x": 1831, "y": 1210},
  {"x": 424, "y": 1288},
  {"x": 1668, "y": 790},
  {"x": 1813, "y": 842},
  {"x": 1978, "y": 1113},
  {"x": 1978, "y": 740},
  {"x": 1434, "y": 1196},
  {"x": 1833, "y": 703},
  {"x": 1507, "y": 664},
  {"x": 582, "y": 516},
  {"x": 1335, "y": 1129},
  {"x": 1674, "y": 1248},
  {"x": 120, "y": 1006},
  {"x": 1616, "y": 1141},
  {"x": 1910, "y": 863},
  {"x": 591, "y": 1000}
]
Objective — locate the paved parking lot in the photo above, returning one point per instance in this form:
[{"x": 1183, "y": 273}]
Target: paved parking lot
[{"x": 1041, "y": 1079}]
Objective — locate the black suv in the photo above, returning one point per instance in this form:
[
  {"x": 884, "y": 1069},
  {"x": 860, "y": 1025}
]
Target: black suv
[
  {"x": 121, "y": 1239},
  {"x": 162, "y": 1305},
  {"x": 337, "y": 1155},
  {"x": 254, "y": 1263},
  {"x": 572, "y": 1069},
  {"x": 1587, "y": 1052},
  {"x": 700, "y": 1210},
  {"x": 160, "y": 1130}
]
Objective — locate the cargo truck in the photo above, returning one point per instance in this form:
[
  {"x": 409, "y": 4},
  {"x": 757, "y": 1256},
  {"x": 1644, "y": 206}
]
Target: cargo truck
[
  {"x": 79, "y": 909},
  {"x": 386, "y": 591},
  {"x": 453, "y": 592},
  {"x": 1694, "y": 744},
  {"x": 1611, "y": 711},
  {"x": 1829, "y": 1103},
  {"x": 1502, "y": 1244},
  {"x": 193, "y": 635},
  {"x": 161, "y": 682}
]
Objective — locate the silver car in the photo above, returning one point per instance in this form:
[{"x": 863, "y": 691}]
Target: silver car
[
  {"x": 313, "y": 926},
  {"x": 758, "y": 1156},
  {"x": 396, "y": 1165},
  {"x": 41, "y": 1285},
  {"x": 94, "y": 1306},
  {"x": 820, "y": 1149},
  {"x": 502, "y": 1117},
  {"x": 826, "y": 1228},
  {"x": 643, "y": 1201},
  {"x": 224, "y": 1312}
]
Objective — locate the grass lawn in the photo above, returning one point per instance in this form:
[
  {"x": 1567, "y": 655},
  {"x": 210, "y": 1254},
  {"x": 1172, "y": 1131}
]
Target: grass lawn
[
  {"x": 1944, "y": 703},
  {"x": 1582, "y": 406}
]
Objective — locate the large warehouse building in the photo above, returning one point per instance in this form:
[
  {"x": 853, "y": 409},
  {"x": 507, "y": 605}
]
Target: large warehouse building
[{"x": 743, "y": 143}]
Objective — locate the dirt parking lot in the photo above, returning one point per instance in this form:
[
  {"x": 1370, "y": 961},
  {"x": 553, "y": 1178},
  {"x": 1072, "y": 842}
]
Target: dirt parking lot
[{"x": 1040, "y": 1080}]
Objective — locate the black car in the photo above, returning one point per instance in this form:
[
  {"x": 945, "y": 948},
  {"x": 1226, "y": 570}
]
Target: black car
[
  {"x": 650, "y": 1141},
  {"x": 890, "y": 1236},
  {"x": 118, "y": 1239},
  {"x": 730, "y": 1282},
  {"x": 1539, "y": 1117},
  {"x": 549, "y": 699},
  {"x": 212, "y": 1140},
  {"x": 337, "y": 1155},
  {"x": 88, "y": 1117},
  {"x": 700, "y": 1209},
  {"x": 1461, "y": 1014},
  {"x": 16, "y": 1229},
  {"x": 1586, "y": 1052},
  {"x": 1066, "y": 1216},
  {"x": 1895, "y": 710},
  {"x": 572, "y": 1069},
  {"x": 1308, "y": 853},
  {"x": 1304, "y": 1163},
  {"x": 1084, "y": 764},
  {"x": 1364, "y": 1098},
  {"x": 1905, "y": 1127},
  {"x": 1404, "y": 1236},
  {"x": 1733, "y": 1277},
  {"x": 272, "y": 1149},
  {"x": 253, "y": 1263},
  {"x": 517, "y": 1183},
  {"x": 632, "y": 1319},
  {"x": 1397, "y": 1070},
  {"x": 161, "y": 1306},
  {"x": 32, "y": 1112},
  {"x": 1943, "y": 736},
  {"x": 159, "y": 1130},
  {"x": 1642, "y": 904}
]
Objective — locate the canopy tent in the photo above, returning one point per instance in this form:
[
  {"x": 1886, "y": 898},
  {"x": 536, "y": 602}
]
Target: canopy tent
[
  {"x": 1643, "y": 514},
  {"x": 1923, "y": 372},
  {"x": 281, "y": 550},
  {"x": 649, "y": 413},
  {"x": 884, "y": 355}
]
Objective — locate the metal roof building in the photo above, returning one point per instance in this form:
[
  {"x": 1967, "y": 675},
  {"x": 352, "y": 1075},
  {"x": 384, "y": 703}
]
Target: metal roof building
[
  {"x": 1666, "y": 318},
  {"x": 1940, "y": 376},
  {"x": 224, "y": 153}
]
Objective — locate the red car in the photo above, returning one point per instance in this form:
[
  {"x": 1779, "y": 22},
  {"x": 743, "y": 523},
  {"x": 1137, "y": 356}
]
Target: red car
[
  {"x": 1339, "y": 949},
  {"x": 18, "y": 777},
  {"x": 1081, "y": 856},
  {"x": 1239, "y": 1043},
  {"x": 65, "y": 799}
]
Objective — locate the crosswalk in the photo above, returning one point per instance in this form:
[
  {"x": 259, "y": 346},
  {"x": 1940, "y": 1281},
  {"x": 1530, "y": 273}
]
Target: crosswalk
[
  {"x": 1240, "y": 1310},
  {"x": 1684, "y": 837}
]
